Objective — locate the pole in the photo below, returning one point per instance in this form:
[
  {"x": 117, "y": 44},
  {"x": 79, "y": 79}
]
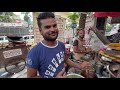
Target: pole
[{"x": 73, "y": 32}]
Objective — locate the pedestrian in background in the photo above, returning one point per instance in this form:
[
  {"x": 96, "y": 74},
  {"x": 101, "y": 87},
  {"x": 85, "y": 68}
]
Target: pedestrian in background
[{"x": 79, "y": 48}]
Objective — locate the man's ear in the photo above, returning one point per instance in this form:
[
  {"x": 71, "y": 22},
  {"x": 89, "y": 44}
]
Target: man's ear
[{"x": 40, "y": 31}]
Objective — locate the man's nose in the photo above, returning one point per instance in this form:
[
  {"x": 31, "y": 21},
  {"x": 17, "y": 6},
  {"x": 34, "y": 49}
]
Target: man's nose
[{"x": 52, "y": 29}]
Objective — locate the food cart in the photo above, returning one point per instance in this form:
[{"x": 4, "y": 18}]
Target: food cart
[{"x": 13, "y": 57}]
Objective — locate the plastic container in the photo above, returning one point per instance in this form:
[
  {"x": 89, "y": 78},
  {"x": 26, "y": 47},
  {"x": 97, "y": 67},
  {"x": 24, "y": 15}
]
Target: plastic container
[{"x": 67, "y": 46}]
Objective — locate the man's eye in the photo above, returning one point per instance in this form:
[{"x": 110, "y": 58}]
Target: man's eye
[
  {"x": 47, "y": 27},
  {"x": 55, "y": 25}
]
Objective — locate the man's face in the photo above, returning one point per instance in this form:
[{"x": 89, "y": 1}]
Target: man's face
[
  {"x": 81, "y": 34},
  {"x": 49, "y": 29}
]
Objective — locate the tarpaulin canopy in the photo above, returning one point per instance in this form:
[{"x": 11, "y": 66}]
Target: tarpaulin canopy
[{"x": 105, "y": 14}]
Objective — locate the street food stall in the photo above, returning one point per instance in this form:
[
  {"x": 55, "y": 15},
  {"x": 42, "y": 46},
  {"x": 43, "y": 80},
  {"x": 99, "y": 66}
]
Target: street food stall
[
  {"x": 112, "y": 57},
  {"x": 107, "y": 58},
  {"x": 106, "y": 61}
]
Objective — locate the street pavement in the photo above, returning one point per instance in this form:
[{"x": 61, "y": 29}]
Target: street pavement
[{"x": 21, "y": 74}]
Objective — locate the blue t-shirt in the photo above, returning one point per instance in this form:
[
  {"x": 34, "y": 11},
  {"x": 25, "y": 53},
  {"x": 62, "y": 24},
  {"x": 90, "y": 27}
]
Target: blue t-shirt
[{"x": 48, "y": 60}]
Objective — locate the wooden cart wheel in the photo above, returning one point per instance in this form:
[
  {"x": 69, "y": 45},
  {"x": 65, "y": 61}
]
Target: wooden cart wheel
[{"x": 15, "y": 66}]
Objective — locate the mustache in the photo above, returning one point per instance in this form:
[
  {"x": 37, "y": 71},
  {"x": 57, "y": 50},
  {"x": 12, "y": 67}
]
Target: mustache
[{"x": 52, "y": 32}]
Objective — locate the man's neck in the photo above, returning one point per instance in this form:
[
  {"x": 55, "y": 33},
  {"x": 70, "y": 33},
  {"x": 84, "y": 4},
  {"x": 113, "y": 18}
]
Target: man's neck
[
  {"x": 81, "y": 39},
  {"x": 49, "y": 43}
]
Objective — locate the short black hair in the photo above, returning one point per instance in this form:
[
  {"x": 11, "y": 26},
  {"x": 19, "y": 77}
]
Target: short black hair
[
  {"x": 44, "y": 15},
  {"x": 78, "y": 30},
  {"x": 118, "y": 30}
]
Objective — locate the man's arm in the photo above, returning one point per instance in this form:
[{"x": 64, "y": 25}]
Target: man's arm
[
  {"x": 32, "y": 73},
  {"x": 75, "y": 47},
  {"x": 32, "y": 63},
  {"x": 61, "y": 74},
  {"x": 76, "y": 65}
]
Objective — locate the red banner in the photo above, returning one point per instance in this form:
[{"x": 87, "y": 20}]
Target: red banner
[
  {"x": 100, "y": 14},
  {"x": 113, "y": 14},
  {"x": 105, "y": 14}
]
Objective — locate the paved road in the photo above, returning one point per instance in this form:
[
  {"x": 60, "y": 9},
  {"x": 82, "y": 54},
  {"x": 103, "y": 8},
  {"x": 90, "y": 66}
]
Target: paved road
[{"x": 21, "y": 74}]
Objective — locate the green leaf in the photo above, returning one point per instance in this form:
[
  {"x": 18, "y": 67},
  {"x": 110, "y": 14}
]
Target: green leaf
[
  {"x": 73, "y": 17},
  {"x": 7, "y": 17}
]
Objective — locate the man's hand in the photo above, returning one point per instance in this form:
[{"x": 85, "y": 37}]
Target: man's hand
[
  {"x": 88, "y": 50},
  {"x": 84, "y": 64},
  {"x": 61, "y": 74}
]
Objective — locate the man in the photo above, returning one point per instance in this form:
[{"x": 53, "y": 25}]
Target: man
[
  {"x": 79, "y": 48},
  {"x": 48, "y": 56}
]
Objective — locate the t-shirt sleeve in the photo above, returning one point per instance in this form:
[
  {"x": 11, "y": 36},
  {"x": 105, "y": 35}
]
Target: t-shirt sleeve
[
  {"x": 75, "y": 43},
  {"x": 32, "y": 59}
]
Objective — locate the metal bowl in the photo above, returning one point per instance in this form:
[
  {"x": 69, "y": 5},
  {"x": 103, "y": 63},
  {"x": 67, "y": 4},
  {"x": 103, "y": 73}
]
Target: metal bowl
[{"x": 73, "y": 75}]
